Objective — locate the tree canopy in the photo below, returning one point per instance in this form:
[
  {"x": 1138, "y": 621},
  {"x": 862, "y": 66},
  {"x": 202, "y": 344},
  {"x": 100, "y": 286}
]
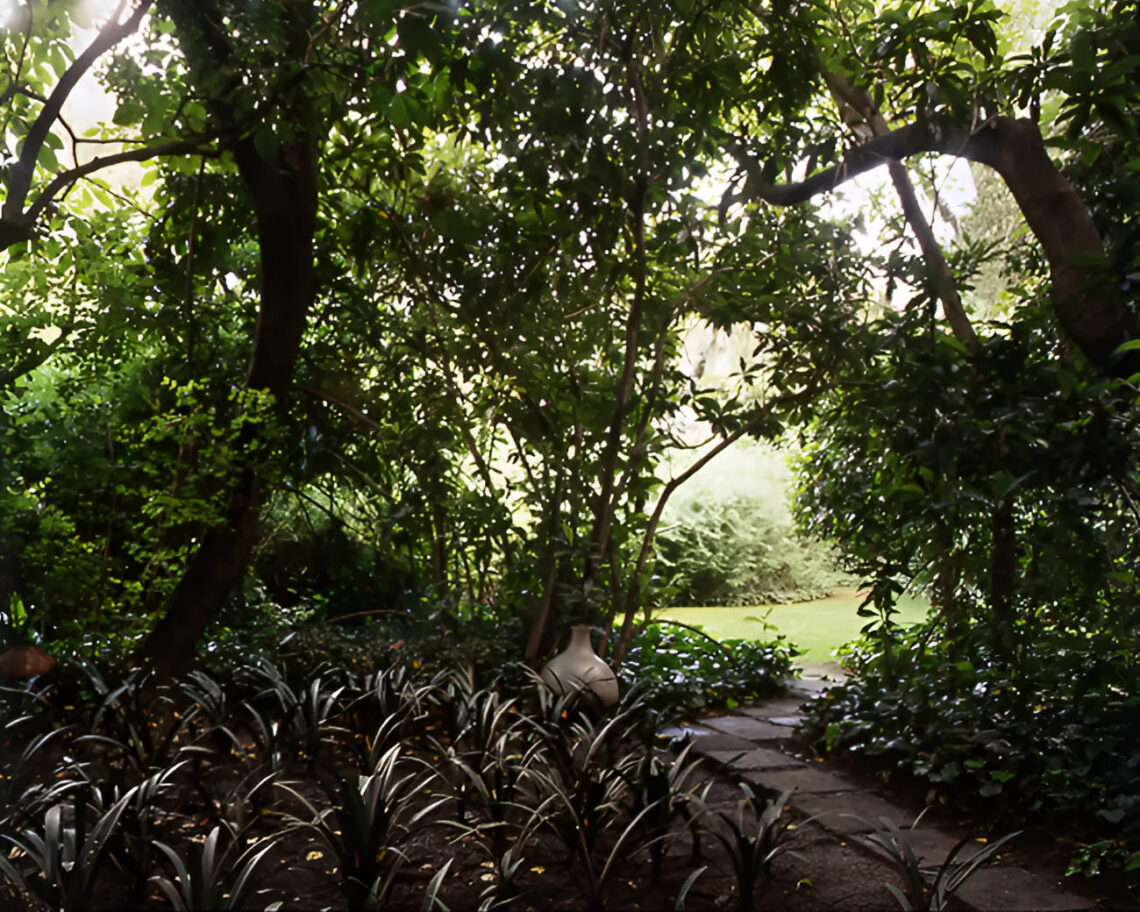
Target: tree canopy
[{"x": 399, "y": 294}]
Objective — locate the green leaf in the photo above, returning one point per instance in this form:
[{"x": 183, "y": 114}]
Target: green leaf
[
  {"x": 265, "y": 141},
  {"x": 130, "y": 111},
  {"x": 403, "y": 111},
  {"x": 46, "y": 158}
]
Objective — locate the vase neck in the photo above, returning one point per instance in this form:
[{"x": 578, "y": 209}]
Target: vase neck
[{"x": 580, "y": 637}]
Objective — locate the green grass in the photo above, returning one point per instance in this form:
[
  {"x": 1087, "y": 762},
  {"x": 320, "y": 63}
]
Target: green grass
[{"x": 817, "y": 628}]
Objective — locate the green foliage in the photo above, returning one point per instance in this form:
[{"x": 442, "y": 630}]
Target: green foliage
[
  {"x": 754, "y": 835},
  {"x": 1059, "y": 735},
  {"x": 731, "y": 552},
  {"x": 213, "y": 880},
  {"x": 929, "y": 890},
  {"x": 511, "y": 226},
  {"x": 685, "y": 670},
  {"x": 514, "y": 771},
  {"x": 68, "y": 849},
  {"x": 365, "y": 826}
]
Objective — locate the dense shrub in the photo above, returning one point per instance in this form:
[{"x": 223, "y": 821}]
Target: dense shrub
[
  {"x": 1061, "y": 733},
  {"x": 734, "y": 552},
  {"x": 686, "y": 671}
]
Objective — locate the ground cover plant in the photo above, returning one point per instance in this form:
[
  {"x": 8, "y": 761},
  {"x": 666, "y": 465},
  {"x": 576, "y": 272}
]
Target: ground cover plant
[
  {"x": 401, "y": 789},
  {"x": 1061, "y": 736}
]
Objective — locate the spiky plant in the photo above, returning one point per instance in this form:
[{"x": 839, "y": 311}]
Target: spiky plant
[
  {"x": 68, "y": 849},
  {"x": 366, "y": 825},
  {"x": 216, "y": 876},
  {"x": 753, "y": 835},
  {"x": 928, "y": 889}
]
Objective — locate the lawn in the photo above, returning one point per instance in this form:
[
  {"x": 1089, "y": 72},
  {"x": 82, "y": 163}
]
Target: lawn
[{"x": 817, "y": 628}]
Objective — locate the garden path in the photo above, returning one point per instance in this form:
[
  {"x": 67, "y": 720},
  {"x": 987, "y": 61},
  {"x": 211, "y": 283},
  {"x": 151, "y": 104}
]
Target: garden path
[{"x": 757, "y": 744}]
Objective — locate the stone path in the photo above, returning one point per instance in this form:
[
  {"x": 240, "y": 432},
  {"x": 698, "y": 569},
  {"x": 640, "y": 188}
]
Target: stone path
[{"x": 749, "y": 743}]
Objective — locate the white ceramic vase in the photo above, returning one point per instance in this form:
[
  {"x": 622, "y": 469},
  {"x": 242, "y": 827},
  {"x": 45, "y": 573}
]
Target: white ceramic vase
[{"x": 578, "y": 668}]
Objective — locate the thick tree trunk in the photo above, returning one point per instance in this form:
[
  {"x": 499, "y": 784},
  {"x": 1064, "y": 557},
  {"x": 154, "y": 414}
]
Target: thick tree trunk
[{"x": 284, "y": 191}]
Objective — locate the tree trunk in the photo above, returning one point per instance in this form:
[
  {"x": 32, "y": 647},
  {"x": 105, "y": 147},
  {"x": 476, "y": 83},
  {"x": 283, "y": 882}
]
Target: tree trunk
[
  {"x": 1084, "y": 302},
  {"x": 284, "y": 191}
]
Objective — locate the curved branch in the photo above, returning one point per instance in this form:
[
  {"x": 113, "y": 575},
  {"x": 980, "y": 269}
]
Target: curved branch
[
  {"x": 1083, "y": 302},
  {"x": 945, "y": 287},
  {"x": 20, "y": 180},
  {"x": 63, "y": 179}
]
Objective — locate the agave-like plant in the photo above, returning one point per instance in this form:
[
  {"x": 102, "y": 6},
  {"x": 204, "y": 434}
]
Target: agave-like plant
[
  {"x": 68, "y": 849},
  {"x": 366, "y": 825},
  {"x": 574, "y": 820},
  {"x": 753, "y": 835},
  {"x": 583, "y": 775},
  {"x": 20, "y": 794},
  {"x": 268, "y": 740},
  {"x": 928, "y": 889},
  {"x": 136, "y": 718},
  {"x": 19, "y": 705},
  {"x": 132, "y": 845},
  {"x": 502, "y": 891},
  {"x": 213, "y": 880},
  {"x": 306, "y": 713},
  {"x": 660, "y": 783},
  {"x": 480, "y": 761}
]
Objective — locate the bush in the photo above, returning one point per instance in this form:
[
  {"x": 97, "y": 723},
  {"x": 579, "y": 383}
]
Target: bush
[
  {"x": 729, "y": 552},
  {"x": 686, "y": 671},
  {"x": 1062, "y": 733},
  {"x": 727, "y": 538}
]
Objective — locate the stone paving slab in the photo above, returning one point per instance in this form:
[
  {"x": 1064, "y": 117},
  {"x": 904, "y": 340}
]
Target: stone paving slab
[
  {"x": 682, "y": 731},
  {"x": 998, "y": 889},
  {"x": 781, "y": 706},
  {"x": 747, "y": 727},
  {"x": 756, "y": 759},
  {"x": 826, "y": 670},
  {"x": 788, "y": 721},
  {"x": 810, "y": 687},
  {"x": 800, "y": 780},
  {"x": 706, "y": 739},
  {"x": 850, "y": 812}
]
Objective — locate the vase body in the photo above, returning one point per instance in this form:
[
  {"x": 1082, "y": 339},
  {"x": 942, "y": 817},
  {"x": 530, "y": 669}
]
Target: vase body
[{"x": 578, "y": 668}]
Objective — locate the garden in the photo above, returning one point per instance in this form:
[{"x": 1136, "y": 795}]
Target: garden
[{"x": 353, "y": 353}]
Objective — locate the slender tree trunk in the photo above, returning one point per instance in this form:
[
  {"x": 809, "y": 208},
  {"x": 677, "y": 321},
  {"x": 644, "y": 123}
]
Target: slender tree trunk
[
  {"x": 607, "y": 501},
  {"x": 284, "y": 191},
  {"x": 945, "y": 286}
]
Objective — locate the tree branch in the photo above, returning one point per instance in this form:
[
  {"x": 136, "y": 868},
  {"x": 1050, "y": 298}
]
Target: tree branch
[
  {"x": 633, "y": 590},
  {"x": 45, "y": 197},
  {"x": 1082, "y": 300},
  {"x": 20, "y": 177},
  {"x": 944, "y": 284}
]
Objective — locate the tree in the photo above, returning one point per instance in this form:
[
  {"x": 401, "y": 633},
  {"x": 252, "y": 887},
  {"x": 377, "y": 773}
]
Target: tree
[{"x": 391, "y": 264}]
